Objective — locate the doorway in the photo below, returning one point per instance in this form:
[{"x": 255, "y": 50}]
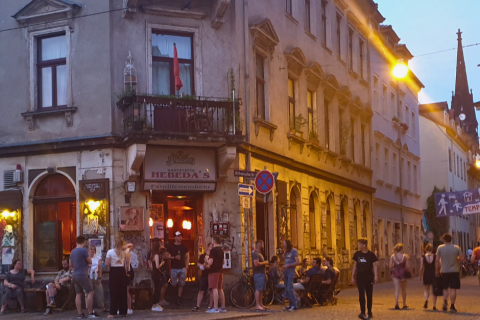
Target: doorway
[{"x": 261, "y": 222}]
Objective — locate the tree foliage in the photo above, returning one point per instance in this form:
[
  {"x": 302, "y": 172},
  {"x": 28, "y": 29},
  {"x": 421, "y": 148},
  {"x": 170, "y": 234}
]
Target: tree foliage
[{"x": 437, "y": 225}]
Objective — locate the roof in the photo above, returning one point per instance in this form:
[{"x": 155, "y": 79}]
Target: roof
[{"x": 433, "y": 107}]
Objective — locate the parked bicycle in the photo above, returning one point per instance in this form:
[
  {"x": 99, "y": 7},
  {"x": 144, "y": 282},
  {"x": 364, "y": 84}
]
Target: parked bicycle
[
  {"x": 242, "y": 293},
  {"x": 272, "y": 294}
]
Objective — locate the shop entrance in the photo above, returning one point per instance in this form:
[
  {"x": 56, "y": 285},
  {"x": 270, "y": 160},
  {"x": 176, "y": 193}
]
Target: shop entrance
[
  {"x": 171, "y": 213},
  {"x": 261, "y": 222},
  {"x": 54, "y": 221}
]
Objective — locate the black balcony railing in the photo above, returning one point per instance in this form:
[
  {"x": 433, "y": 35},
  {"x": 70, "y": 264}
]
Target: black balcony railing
[{"x": 185, "y": 115}]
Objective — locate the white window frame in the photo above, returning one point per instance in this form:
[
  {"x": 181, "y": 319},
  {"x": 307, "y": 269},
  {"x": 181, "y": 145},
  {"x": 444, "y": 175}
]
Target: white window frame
[
  {"x": 197, "y": 53},
  {"x": 33, "y": 37}
]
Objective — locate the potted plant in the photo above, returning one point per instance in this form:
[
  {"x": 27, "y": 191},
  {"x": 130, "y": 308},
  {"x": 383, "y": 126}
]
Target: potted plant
[
  {"x": 300, "y": 122},
  {"x": 313, "y": 137}
]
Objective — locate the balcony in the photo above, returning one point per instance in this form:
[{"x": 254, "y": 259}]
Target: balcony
[{"x": 185, "y": 118}]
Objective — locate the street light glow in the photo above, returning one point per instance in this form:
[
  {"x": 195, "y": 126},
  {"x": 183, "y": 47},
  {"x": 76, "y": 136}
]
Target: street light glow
[{"x": 400, "y": 70}]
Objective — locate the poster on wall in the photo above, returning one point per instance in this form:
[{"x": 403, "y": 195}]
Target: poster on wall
[
  {"x": 98, "y": 244},
  {"x": 131, "y": 219},
  {"x": 7, "y": 255},
  {"x": 158, "y": 231}
]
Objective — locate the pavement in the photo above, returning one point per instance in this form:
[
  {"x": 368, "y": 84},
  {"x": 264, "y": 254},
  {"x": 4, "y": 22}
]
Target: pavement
[{"x": 468, "y": 306}]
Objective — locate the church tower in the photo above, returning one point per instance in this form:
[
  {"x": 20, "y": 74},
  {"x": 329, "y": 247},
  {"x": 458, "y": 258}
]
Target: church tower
[{"x": 462, "y": 99}]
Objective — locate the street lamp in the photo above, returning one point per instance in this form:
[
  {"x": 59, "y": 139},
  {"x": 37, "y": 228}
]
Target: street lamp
[{"x": 400, "y": 70}]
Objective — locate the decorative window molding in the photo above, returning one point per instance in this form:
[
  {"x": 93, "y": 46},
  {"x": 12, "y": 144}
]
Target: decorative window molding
[
  {"x": 44, "y": 10},
  {"x": 173, "y": 12},
  {"x": 265, "y": 124},
  {"x": 314, "y": 76},
  {"x": 264, "y": 36},
  {"x": 296, "y": 61},
  {"x": 218, "y": 12}
]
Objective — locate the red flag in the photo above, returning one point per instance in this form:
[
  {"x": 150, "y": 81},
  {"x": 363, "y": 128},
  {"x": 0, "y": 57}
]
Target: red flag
[{"x": 176, "y": 69}]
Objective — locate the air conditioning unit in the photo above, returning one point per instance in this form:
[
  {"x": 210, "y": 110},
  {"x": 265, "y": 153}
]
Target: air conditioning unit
[
  {"x": 8, "y": 179},
  {"x": 18, "y": 174}
]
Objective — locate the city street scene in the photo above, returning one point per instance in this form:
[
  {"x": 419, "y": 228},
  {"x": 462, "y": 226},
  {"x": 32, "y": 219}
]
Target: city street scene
[{"x": 235, "y": 159}]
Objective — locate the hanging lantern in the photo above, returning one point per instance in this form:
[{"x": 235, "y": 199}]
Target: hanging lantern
[{"x": 169, "y": 223}]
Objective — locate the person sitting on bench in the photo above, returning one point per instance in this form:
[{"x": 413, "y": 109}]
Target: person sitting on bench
[
  {"x": 61, "y": 284},
  {"x": 13, "y": 285},
  {"x": 303, "y": 285}
]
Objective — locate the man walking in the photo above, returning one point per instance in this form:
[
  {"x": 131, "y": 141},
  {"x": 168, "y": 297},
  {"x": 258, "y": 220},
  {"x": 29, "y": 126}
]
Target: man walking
[
  {"x": 364, "y": 273},
  {"x": 79, "y": 261},
  {"x": 448, "y": 261},
  {"x": 180, "y": 260},
  {"x": 215, "y": 277},
  {"x": 259, "y": 277}
]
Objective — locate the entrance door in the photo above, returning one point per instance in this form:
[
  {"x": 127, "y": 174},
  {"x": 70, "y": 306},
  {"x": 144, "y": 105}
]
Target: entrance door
[{"x": 261, "y": 221}]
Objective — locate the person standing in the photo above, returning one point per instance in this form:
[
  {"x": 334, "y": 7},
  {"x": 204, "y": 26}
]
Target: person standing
[
  {"x": 364, "y": 273},
  {"x": 79, "y": 261},
  {"x": 203, "y": 265},
  {"x": 95, "y": 275},
  {"x": 475, "y": 259},
  {"x": 399, "y": 264},
  {"x": 180, "y": 260},
  {"x": 427, "y": 275},
  {"x": 215, "y": 277},
  {"x": 291, "y": 262},
  {"x": 448, "y": 261},
  {"x": 156, "y": 262},
  {"x": 117, "y": 280},
  {"x": 259, "y": 276}
]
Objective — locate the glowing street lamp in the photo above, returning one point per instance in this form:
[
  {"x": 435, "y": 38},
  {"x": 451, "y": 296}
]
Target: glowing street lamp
[
  {"x": 400, "y": 70},
  {"x": 477, "y": 161}
]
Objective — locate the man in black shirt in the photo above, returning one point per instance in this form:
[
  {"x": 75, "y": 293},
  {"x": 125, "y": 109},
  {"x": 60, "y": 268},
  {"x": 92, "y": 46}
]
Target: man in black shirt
[
  {"x": 215, "y": 277},
  {"x": 364, "y": 273},
  {"x": 180, "y": 259}
]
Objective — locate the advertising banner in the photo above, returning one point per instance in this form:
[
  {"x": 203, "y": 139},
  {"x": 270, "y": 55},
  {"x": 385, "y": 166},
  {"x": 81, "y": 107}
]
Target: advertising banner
[{"x": 457, "y": 203}]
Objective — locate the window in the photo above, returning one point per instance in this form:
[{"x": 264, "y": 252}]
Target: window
[
  {"x": 461, "y": 169},
  {"x": 307, "y": 15},
  {"x": 386, "y": 167},
  {"x": 361, "y": 57},
  {"x": 402, "y": 169},
  {"x": 407, "y": 115},
  {"x": 162, "y": 63},
  {"x": 415, "y": 179},
  {"x": 313, "y": 234},
  {"x": 329, "y": 224},
  {"x": 381, "y": 237},
  {"x": 384, "y": 101},
  {"x": 376, "y": 102},
  {"x": 395, "y": 169},
  {"x": 409, "y": 175},
  {"x": 52, "y": 71},
  {"x": 341, "y": 133},
  {"x": 400, "y": 110},
  {"x": 458, "y": 167},
  {"x": 324, "y": 21},
  {"x": 327, "y": 123},
  {"x": 293, "y": 217},
  {"x": 352, "y": 138},
  {"x": 413, "y": 125},
  {"x": 393, "y": 104},
  {"x": 343, "y": 234},
  {"x": 338, "y": 27},
  {"x": 377, "y": 160},
  {"x": 260, "y": 83},
  {"x": 450, "y": 160},
  {"x": 364, "y": 145},
  {"x": 312, "y": 124},
  {"x": 351, "y": 33},
  {"x": 288, "y": 7},
  {"x": 291, "y": 103}
]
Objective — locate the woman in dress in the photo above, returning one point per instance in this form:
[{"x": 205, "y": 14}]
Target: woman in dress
[
  {"x": 400, "y": 273},
  {"x": 156, "y": 262},
  {"x": 13, "y": 285},
  {"x": 116, "y": 259},
  {"x": 427, "y": 274}
]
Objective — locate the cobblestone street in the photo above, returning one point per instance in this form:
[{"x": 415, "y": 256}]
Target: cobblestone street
[{"x": 468, "y": 307}]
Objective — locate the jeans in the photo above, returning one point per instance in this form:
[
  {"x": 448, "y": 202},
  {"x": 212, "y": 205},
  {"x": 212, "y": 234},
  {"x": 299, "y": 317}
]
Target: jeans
[
  {"x": 288, "y": 279},
  {"x": 365, "y": 287},
  {"x": 99, "y": 296}
]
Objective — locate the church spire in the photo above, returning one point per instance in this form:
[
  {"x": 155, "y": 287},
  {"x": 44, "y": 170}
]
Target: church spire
[{"x": 462, "y": 100}]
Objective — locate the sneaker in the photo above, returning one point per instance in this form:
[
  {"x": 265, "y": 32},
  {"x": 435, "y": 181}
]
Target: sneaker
[
  {"x": 292, "y": 309},
  {"x": 362, "y": 316},
  {"x": 93, "y": 315},
  {"x": 81, "y": 316},
  {"x": 445, "y": 305},
  {"x": 213, "y": 310},
  {"x": 195, "y": 308},
  {"x": 452, "y": 308},
  {"x": 157, "y": 309},
  {"x": 286, "y": 308},
  {"x": 222, "y": 310},
  {"x": 129, "y": 311},
  {"x": 425, "y": 305},
  {"x": 163, "y": 303}
]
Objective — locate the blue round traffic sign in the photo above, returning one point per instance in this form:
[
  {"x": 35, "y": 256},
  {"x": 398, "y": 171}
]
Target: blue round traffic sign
[{"x": 264, "y": 181}]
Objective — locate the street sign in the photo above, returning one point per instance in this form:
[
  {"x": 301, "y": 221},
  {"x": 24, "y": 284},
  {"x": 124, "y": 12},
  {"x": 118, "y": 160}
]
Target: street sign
[
  {"x": 264, "y": 181},
  {"x": 245, "y": 190},
  {"x": 245, "y": 202},
  {"x": 244, "y": 173}
]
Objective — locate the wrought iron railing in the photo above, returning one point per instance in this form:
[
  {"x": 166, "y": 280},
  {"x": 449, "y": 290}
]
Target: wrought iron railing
[{"x": 172, "y": 114}]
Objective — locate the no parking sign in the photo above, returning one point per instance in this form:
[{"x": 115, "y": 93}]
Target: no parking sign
[{"x": 264, "y": 181}]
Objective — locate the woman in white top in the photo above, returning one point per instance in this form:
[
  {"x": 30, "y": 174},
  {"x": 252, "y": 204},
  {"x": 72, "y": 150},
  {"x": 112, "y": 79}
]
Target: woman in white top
[
  {"x": 95, "y": 275},
  {"x": 116, "y": 259}
]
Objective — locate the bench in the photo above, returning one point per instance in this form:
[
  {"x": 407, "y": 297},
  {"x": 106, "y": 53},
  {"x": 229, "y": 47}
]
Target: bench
[{"x": 40, "y": 300}]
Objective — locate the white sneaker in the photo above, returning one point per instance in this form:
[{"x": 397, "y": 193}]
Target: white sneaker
[
  {"x": 213, "y": 310},
  {"x": 163, "y": 303},
  {"x": 129, "y": 311},
  {"x": 157, "y": 308}
]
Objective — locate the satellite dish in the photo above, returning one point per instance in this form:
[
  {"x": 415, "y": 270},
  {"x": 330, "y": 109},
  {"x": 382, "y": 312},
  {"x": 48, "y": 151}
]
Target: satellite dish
[{"x": 462, "y": 116}]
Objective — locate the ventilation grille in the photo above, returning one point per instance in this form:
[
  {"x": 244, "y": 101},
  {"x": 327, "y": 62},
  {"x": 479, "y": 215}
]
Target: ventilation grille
[{"x": 8, "y": 179}]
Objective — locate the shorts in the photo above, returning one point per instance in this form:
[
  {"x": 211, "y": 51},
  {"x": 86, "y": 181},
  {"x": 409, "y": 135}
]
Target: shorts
[
  {"x": 82, "y": 283},
  {"x": 260, "y": 281},
  {"x": 215, "y": 280},
  {"x": 451, "y": 280},
  {"x": 203, "y": 283},
  {"x": 178, "y": 276}
]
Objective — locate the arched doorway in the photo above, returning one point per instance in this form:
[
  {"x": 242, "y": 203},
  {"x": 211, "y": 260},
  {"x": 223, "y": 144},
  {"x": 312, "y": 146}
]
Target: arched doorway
[
  {"x": 55, "y": 227},
  {"x": 294, "y": 207}
]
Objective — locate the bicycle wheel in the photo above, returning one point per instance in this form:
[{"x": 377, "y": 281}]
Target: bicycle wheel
[
  {"x": 242, "y": 295},
  {"x": 268, "y": 294}
]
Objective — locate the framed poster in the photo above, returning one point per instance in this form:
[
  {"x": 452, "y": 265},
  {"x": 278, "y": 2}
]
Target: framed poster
[
  {"x": 131, "y": 218},
  {"x": 98, "y": 244}
]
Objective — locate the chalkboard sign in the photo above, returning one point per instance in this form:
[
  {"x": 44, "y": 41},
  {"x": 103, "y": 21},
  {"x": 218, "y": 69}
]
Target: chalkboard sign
[{"x": 93, "y": 189}]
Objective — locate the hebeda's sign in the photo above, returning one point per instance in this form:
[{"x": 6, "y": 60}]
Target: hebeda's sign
[{"x": 180, "y": 165}]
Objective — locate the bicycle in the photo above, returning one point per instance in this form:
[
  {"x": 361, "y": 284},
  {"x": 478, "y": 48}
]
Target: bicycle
[
  {"x": 272, "y": 294},
  {"x": 242, "y": 293}
]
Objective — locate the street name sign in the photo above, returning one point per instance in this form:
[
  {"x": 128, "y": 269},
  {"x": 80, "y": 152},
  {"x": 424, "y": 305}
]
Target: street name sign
[{"x": 245, "y": 190}]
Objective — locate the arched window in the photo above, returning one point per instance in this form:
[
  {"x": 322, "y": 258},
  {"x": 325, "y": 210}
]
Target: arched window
[
  {"x": 55, "y": 224},
  {"x": 293, "y": 217},
  {"x": 329, "y": 224},
  {"x": 354, "y": 239},
  {"x": 343, "y": 244},
  {"x": 313, "y": 234}
]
